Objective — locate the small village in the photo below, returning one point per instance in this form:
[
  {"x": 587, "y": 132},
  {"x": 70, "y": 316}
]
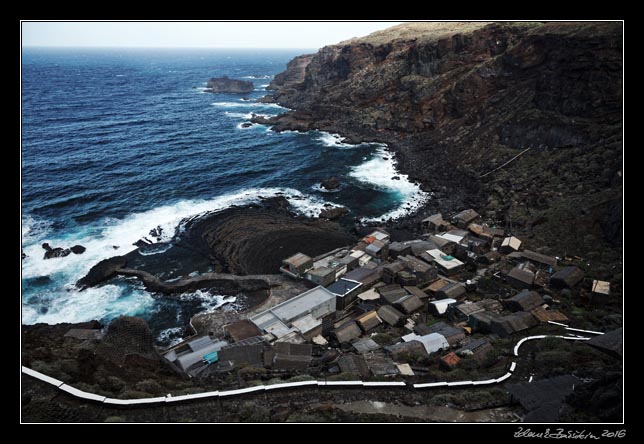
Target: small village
[{"x": 414, "y": 311}]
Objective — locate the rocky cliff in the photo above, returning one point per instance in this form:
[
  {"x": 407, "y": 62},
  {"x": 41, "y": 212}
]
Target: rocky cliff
[{"x": 457, "y": 100}]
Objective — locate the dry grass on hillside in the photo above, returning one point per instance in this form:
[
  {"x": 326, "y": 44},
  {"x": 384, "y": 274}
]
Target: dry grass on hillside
[{"x": 423, "y": 31}]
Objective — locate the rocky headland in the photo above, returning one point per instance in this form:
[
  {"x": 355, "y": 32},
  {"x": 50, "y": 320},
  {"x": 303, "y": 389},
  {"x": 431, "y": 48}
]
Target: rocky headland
[
  {"x": 455, "y": 101},
  {"x": 228, "y": 85}
]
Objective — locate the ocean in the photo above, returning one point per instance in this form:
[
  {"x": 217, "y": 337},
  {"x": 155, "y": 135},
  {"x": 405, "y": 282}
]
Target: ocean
[{"x": 116, "y": 142}]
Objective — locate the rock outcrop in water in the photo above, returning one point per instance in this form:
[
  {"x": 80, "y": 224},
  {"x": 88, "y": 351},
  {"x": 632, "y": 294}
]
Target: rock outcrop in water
[
  {"x": 227, "y": 85},
  {"x": 249, "y": 240},
  {"x": 457, "y": 100},
  {"x": 101, "y": 272},
  {"x": 332, "y": 183}
]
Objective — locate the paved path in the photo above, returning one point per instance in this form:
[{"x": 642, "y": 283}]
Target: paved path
[{"x": 290, "y": 385}]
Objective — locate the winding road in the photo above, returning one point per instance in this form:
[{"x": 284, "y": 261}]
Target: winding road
[{"x": 289, "y": 385}]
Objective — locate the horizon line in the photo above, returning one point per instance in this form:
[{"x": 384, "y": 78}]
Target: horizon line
[{"x": 159, "y": 47}]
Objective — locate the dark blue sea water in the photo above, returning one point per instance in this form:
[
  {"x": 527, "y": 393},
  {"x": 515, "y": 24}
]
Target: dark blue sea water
[{"x": 116, "y": 142}]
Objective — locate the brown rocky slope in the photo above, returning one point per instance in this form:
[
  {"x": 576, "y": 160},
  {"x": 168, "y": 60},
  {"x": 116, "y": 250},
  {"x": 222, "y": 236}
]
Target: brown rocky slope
[{"x": 457, "y": 100}]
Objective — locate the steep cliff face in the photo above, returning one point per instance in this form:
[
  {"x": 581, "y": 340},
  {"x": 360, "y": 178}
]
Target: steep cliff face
[{"x": 457, "y": 100}]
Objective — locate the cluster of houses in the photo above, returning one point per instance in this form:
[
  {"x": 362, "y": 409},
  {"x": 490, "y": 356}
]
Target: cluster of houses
[{"x": 377, "y": 307}]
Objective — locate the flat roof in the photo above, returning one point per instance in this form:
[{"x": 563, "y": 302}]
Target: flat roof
[
  {"x": 438, "y": 257},
  {"x": 306, "y": 323},
  {"x": 343, "y": 286},
  {"x": 442, "y": 304},
  {"x": 321, "y": 271},
  {"x": 379, "y": 235},
  {"x": 451, "y": 237},
  {"x": 434, "y": 217},
  {"x": 601, "y": 287},
  {"x": 297, "y": 259},
  {"x": 369, "y": 295},
  {"x": 294, "y": 307}
]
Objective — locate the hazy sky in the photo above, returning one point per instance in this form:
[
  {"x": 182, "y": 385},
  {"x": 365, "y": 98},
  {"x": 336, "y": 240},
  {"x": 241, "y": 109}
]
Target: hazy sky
[{"x": 195, "y": 34}]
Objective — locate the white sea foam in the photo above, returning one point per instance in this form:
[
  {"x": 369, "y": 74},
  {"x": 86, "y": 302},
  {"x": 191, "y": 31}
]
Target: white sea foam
[
  {"x": 170, "y": 336},
  {"x": 99, "y": 241},
  {"x": 380, "y": 173},
  {"x": 246, "y": 104},
  {"x": 244, "y": 116},
  {"x": 264, "y": 85},
  {"x": 33, "y": 229},
  {"x": 240, "y": 127},
  {"x": 120, "y": 75},
  {"x": 258, "y": 77},
  {"x": 335, "y": 140},
  {"x": 209, "y": 302},
  {"x": 69, "y": 305}
]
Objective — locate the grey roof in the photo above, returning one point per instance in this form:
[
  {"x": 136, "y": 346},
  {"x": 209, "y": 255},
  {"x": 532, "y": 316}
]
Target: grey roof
[
  {"x": 524, "y": 276},
  {"x": 539, "y": 258},
  {"x": 187, "y": 359},
  {"x": 394, "y": 267},
  {"x": 399, "y": 246},
  {"x": 536, "y": 394},
  {"x": 435, "y": 218},
  {"x": 468, "y": 308},
  {"x": 354, "y": 364},
  {"x": 525, "y": 301},
  {"x": 321, "y": 271},
  {"x": 482, "y": 320},
  {"x": 490, "y": 305},
  {"x": 567, "y": 277},
  {"x": 288, "y": 348},
  {"x": 390, "y": 315},
  {"x": 245, "y": 354},
  {"x": 365, "y": 345},
  {"x": 298, "y": 259},
  {"x": 610, "y": 342},
  {"x": 418, "y": 247},
  {"x": 409, "y": 303},
  {"x": 359, "y": 273},
  {"x": 473, "y": 345},
  {"x": 412, "y": 289},
  {"x": 343, "y": 286},
  {"x": 315, "y": 299},
  {"x": 509, "y": 324},
  {"x": 199, "y": 343},
  {"x": 415, "y": 263},
  {"x": 375, "y": 246},
  {"x": 392, "y": 293},
  {"x": 381, "y": 366},
  {"x": 439, "y": 241},
  {"x": 400, "y": 349},
  {"x": 424, "y": 329},
  {"x": 451, "y": 290},
  {"x": 291, "y": 362},
  {"x": 466, "y": 215},
  {"x": 347, "y": 332},
  {"x": 364, "y": 275},
  {"x": 446, "y": 330}
]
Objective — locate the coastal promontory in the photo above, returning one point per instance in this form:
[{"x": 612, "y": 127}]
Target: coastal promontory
[{"x": 455, "y": 101}]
